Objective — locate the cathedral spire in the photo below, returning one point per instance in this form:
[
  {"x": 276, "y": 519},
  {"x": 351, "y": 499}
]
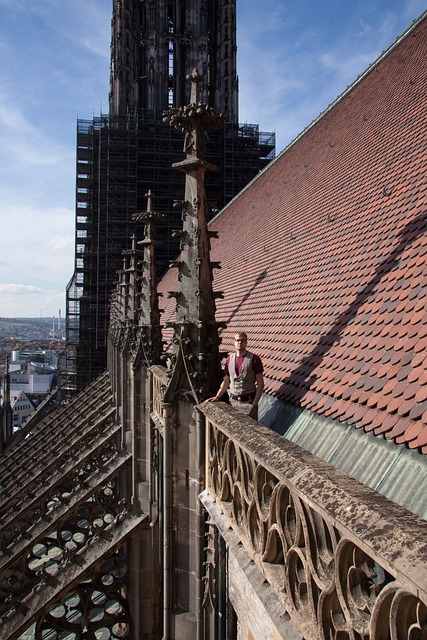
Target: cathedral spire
[
  {"x": 196, "y": 331},
  {"x": 149, "y": 314}
]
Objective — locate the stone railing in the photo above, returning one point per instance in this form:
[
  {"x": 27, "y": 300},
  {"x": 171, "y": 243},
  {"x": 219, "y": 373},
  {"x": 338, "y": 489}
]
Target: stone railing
[
  {"x": 160, "y": 381},
  {"x": 345, "y": 562}
]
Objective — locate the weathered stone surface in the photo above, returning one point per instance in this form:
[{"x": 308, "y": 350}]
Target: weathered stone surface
[
  {"x": 258, "y": 610},
  {"x": 311, "y": 527}
]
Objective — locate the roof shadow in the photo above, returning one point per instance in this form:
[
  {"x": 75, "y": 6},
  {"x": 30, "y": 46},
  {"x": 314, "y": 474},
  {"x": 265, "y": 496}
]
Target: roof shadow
[
  {"x": 302, "y": 378},
  {"x": 261, "y": 276}
]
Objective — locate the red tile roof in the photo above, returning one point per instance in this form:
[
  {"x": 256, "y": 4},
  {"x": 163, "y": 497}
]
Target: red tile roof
[{"x": 324, "y": 256}]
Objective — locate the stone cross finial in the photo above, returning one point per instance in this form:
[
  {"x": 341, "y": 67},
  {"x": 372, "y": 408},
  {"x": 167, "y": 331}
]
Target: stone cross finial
[
  {"x": 149, "y": 201},
  {"x": 195, "y": 78}
]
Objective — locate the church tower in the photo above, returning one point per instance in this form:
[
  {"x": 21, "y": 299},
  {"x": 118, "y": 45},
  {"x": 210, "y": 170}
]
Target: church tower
[
  {"x": 124, "y": 154},
  {"x": 155, "y": 45}
]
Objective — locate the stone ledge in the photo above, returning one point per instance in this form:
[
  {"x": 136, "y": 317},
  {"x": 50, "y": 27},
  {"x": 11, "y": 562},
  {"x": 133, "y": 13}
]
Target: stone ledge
[{"x": 390, "y": 534}]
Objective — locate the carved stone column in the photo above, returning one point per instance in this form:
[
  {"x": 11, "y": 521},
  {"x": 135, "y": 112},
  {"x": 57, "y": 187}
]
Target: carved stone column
[
  {"x": 149, "y": 314},
  {"x": 196, "y": 339}
]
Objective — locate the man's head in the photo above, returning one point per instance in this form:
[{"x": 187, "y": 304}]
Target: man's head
[{"x": 240, "y": 342}]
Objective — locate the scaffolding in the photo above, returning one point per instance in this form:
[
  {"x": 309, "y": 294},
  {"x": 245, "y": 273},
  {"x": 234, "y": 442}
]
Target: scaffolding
[{"x": 119, "y": 158}]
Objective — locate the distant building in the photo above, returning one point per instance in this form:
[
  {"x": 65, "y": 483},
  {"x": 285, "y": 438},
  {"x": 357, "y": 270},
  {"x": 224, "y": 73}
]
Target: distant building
[
  {"x": 39, "y": 384},
  {"x": 41, "y": 368},
  {"x": 27, "y": 357},
  {"x": 23, "y": 406},
  {"x": 30, "y": 375}
]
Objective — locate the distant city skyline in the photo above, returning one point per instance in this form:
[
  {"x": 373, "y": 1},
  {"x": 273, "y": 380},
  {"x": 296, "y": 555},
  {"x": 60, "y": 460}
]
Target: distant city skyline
[{"x": 294, "y": 59}]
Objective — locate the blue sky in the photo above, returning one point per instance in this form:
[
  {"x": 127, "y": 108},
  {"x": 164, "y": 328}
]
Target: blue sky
[{"x": 294, "y": 58}]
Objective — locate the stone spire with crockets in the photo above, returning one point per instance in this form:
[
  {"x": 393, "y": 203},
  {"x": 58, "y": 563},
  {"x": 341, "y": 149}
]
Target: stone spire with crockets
[{"x": 196, "y": 341}]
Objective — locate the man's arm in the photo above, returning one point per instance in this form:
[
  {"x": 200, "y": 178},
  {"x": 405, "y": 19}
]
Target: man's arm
[
  {"x": 259, "y": 388},
  {"x": 223, "y": 388}
]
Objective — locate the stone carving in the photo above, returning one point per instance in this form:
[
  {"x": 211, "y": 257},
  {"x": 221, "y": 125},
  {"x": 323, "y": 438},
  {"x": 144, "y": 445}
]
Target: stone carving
[
  {"x": 194, "y": 119},
  {"x": 334, "y": 588},
  {"x": 94, "y": 610},
  {"x": 63, "y": 521},
  {"x": 43, "y": 555}
]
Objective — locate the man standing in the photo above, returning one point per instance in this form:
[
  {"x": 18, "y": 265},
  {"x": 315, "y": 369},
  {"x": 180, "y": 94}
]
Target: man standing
[{"x": 244, "y": 375}]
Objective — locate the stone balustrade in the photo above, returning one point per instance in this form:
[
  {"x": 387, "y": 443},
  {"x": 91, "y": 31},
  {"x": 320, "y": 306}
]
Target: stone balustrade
[{"x": 345, "y": 562}]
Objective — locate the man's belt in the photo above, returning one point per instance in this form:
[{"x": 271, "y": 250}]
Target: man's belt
[{"x": 247, "y": 397}]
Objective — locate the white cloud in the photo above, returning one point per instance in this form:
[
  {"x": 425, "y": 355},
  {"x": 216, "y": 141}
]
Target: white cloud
[
  {"x": 13, "y": 289},
  {"x": 24, "y": 300},
  {"x": 61, "y": 244},
  {"x": 294, "y": 62},
  {"x": 23, "y": 145},
  {"x": 37, "y": 244}
]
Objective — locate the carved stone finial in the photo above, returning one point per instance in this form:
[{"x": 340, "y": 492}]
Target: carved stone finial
[
  {"x": 149, "y": 197},
  {"x": 193, "y": 120},
  {"x": 195, "y": 78},
  {"x": 149, "y": 216}
]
